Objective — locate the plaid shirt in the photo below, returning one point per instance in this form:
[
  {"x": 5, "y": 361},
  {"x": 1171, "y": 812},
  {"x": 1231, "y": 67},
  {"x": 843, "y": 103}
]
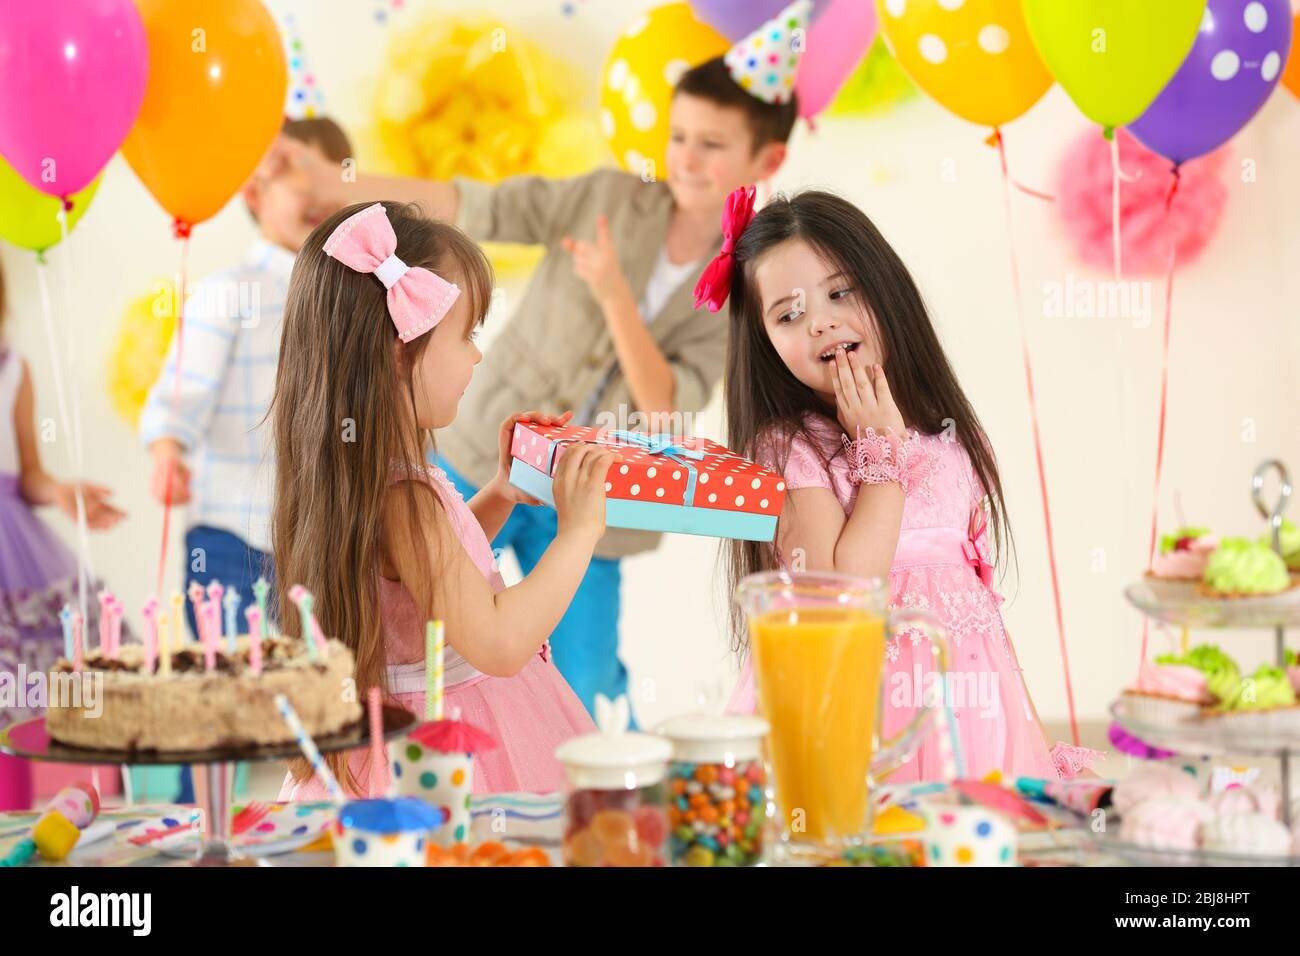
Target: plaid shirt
[{"x": 231, "y": 349}]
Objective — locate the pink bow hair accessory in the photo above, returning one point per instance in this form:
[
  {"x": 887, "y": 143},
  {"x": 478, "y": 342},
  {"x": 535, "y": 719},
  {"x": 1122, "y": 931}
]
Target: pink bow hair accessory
[
  {"x": 715, "y": 284},
  {"x": 417, "y": 298}
]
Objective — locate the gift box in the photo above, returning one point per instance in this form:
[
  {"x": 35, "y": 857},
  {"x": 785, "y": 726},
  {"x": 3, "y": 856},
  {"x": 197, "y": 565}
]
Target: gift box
[{"x": 664, "y": 483}]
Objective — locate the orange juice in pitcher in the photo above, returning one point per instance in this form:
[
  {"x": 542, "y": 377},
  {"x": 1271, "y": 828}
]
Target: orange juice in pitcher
[{"x": 818, "y": 672}]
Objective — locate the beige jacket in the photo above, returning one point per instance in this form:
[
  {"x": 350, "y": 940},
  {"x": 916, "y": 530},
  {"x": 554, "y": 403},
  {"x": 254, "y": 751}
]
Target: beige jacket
[{"x": 556, "y": 349}]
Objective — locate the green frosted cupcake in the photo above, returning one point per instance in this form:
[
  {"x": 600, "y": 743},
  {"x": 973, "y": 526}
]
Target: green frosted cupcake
[
  {"x": 1242, "y": 568},
  {"x": 1289, "y": 539},
  {"x": 1264, "y": 701},
  {"x": 1209, "y": 659}
]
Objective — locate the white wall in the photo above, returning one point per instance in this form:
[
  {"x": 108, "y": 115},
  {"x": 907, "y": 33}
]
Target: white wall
[{"x": 1234, "y": 350}]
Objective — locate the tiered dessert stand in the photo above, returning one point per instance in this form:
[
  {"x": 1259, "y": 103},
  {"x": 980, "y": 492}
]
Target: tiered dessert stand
[
  {"x": 1178, "y": 603},
  {"x": 214, "y": 848}
]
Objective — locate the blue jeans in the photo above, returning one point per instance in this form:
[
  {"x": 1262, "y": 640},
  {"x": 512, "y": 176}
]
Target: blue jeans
[
  {"x": 226, "y": 558},
  {"x": 584, "y": 644}
]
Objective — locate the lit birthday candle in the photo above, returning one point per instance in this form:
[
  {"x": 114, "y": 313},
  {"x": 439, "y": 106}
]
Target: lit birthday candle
[
  {"x": 177, "y": 620},
  {"x": 105, "y": 624},
  {"x": 211, "y": 635},
  {"x": 65, "y": 618},
  {"x": 231, "y": 604},
  {"x": 164, "y": 648},
  {"x": 254, "y": 616},
  {"x": 260, "y": 590},
  {"x": 78, "y": 652},
  {"x": 300, "y": 596},
  {"x": 196, "y": 595},
  {"x": 115, "y": 628},
  {"x": 150, "y": 614}
]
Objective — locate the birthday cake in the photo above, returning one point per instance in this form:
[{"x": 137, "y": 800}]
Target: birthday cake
[{"x": 189, "y": 706}]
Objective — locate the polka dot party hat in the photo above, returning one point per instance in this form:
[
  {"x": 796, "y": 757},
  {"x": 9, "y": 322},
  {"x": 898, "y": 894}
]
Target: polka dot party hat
[
  {"x": 764, "y": 63},
  {"x": 303, "y": 99}
]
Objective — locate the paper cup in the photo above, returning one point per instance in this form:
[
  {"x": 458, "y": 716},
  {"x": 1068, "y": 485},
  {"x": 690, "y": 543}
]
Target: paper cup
[
  {"x": 442, "y": 780},
  {"x": 356, "y": 846},
  {"x": 968, "y": 836}
]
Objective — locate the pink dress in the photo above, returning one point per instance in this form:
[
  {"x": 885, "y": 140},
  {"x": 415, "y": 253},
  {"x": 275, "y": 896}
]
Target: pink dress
[
  {"x": 941, "y": 565},
  {"x": 529, "y": 714}
]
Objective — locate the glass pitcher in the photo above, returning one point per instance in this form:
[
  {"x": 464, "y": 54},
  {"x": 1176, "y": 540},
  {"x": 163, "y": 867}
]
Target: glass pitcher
[{"x": 817, "y": 645}]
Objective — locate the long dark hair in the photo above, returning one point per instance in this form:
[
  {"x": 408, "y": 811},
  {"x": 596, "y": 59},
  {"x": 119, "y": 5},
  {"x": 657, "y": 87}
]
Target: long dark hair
[{"x": 767, "y": 404}]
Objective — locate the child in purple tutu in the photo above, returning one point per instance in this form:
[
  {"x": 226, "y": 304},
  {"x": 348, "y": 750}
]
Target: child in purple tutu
[{"x": 38, "y": 574}]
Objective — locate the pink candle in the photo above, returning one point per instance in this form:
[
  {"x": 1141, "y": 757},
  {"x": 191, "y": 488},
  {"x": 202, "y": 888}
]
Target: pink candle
[
  {"x": 254, "y": 616},
  {"x": 195, "y": 592},
  {"x": 210, "y": 636},
  {"x": 150, "y": 613},
  {"x": 105, "y": 630},
  {"x": 78, "y": 652},
  {"x": 115, "y": 628}
]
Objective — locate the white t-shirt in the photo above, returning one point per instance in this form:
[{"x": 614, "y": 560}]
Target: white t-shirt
[{"x": 663, "y": 282}]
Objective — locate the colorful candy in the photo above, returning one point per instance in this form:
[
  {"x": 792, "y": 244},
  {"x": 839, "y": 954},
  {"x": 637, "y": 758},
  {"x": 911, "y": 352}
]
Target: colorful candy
[
  {"x": 616, "y": 827},
  {"x": 716, "y": 813}
]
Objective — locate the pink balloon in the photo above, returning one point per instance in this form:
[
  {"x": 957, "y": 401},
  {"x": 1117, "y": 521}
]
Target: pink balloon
[
  {"x": 72, "y": 78},
  {"x": 837, "y": 41}
]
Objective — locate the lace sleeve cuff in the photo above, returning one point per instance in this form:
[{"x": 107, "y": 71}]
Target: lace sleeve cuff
[{"x": 879, "y": 457}]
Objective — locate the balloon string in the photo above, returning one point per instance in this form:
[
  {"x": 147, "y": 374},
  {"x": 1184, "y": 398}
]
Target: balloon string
[
  {"x": 1038, "y": 444},
  {"x": 179, "y": 309},
  {"x": 996, "y": 140},
  {"x": 85, "y": 571},
  {"x": 1175, "y": 176}
]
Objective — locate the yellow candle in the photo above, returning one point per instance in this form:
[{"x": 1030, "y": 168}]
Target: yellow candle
[{"x": 164, "y": 648}]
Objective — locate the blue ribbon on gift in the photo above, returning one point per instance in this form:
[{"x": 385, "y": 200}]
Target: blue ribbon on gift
[{"x": 660, "y": 444}]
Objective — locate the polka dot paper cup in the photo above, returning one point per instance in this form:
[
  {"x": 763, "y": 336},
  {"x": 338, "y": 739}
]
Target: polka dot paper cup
[
  {"x": 968, "y": 836},
  {"x": 442, "y": 780},
  {"x": 384, "y": 832}
]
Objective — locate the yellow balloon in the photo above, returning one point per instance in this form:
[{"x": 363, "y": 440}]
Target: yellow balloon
[
  {"x": 976, "y": 59},
  {"x": 139, "y": 347},
  {"x": 637, "y": 83}
]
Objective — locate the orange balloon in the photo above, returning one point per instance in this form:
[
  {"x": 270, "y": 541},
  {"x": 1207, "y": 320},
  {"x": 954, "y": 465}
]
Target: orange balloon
[
  {"x": 213, "y": 104},
  {"x": 1291, "y": 73},
  {"x": 974, "y": 57}
]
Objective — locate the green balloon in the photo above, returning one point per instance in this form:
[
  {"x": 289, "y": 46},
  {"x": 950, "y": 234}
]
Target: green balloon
[
  {"x": 1113, "y": 56},
  {"x": 29, "y": 218}
]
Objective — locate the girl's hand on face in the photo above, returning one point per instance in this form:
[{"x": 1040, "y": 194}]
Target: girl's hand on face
[
  {"x": 862, "y": 396},
  {"x": 501, "y": 482}
]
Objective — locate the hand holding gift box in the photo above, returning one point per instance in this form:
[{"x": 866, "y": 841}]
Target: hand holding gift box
[{"x": 664, "y": 483}]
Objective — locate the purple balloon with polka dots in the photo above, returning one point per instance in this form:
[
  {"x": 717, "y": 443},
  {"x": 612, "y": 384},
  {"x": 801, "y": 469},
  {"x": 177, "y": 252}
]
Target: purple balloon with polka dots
[{"x": 1232, "y": 68}]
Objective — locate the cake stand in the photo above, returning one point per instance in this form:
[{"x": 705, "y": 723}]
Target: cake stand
[
  {"x": 30, "y": 741},
  {"x": 1179, "y": 603}
]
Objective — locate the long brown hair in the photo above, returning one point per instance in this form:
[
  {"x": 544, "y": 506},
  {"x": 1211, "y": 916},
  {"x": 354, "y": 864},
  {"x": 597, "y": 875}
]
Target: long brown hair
[
  {"x": 766, "y": 403},
  {"x": 340, "y": 427}
]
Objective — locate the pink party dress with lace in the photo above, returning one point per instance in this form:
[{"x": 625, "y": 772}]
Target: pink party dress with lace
[
  {"x": 529, "y": 714},
  {"x": 942, "y": 565}
]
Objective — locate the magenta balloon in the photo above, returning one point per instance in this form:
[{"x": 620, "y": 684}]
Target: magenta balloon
[
  {"x": 72, "y": 78},
  {"x": 837, "y": 41}
]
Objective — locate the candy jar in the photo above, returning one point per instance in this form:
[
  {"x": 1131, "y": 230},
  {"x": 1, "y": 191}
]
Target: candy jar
[
  {"x": 717, "y": 802},
  {"x": 615, "y": 811}
]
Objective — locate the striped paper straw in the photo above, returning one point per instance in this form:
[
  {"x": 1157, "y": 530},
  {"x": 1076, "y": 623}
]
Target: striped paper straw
[
  {"x": 433, "y": 653},
  {"x": 379, "y": 774},
  {"x": 308, "y": 748}
]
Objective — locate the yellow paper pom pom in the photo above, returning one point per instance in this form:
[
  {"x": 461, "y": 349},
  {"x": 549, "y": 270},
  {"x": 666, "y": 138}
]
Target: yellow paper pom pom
[{"x": 143, "y": 335}]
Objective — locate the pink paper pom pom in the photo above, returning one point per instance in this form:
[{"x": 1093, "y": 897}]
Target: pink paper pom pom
[{"x": 1084, "y": 202}]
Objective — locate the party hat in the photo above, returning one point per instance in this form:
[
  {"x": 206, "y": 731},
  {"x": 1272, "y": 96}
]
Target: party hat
[
  {"x": 303, "y": 99},
  {"x": 765, "y": 62}
]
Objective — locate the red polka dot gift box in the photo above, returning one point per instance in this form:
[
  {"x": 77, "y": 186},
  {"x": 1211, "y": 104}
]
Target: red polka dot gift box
[{"x": 664, "y": 483}]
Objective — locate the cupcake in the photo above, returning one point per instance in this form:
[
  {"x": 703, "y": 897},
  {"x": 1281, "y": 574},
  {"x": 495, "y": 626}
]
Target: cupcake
[
  {"x": 1149, "y": 782},
  {"x": 1183, "y": 555},
  {"x": 1263, "y": 701},
  {"x": 1166, "y": 823},
  {"x": 1289, "y": 539},
  {"x": 1249, "y": 834},
  {"x": 1241, "y": 568},
  {"x": 1238, "y": 799},
  {"x": 1166, "y": 694},
  {"x": 1209, "y": 659}
]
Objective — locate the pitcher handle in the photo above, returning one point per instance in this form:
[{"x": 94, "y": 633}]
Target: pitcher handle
[{"x": 890, "y": 754}]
